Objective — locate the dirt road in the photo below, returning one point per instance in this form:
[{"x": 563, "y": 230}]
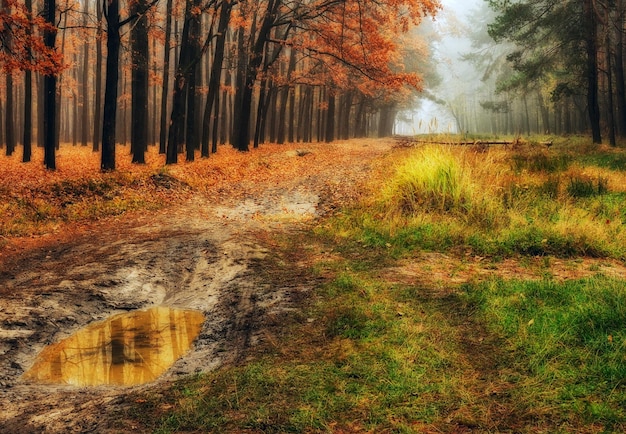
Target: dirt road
[{"x": 205, "y": 254}]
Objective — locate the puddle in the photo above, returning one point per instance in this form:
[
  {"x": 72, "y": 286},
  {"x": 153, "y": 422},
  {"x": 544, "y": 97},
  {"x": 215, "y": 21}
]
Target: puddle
[{"x": 126, "y": 349}]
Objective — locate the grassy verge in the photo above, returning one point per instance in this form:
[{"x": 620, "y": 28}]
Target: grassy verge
[
  {"x": 564, "y": 202},
  {"x": 570, "y": 340}
]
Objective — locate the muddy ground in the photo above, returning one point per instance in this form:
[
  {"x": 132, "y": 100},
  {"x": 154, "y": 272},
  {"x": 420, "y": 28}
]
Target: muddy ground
[{"x": 206, "y": 254}]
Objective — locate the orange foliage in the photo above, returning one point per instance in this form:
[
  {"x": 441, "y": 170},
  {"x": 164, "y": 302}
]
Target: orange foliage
[
  {"x": 22, "y": 46},
  {"x": 361, "y": 44}
]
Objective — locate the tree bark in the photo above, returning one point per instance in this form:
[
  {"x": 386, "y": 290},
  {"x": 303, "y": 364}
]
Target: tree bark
[
  {"x": 591, "y": 41},
  {"x": 620, "y": 88},
  {"x": 28, "y": 100},
  {"x": 50, "y": 91},
  {"x": 184, "y": 80},
  {"x": 97, "y": 105},
  {"x": 110, "y": 89},
  {"x": 139, "y": 82},
  {"x": 166, "y": 77},
  {"x": 9, "y": 119},
  {"x": 329, "y": 134},
  {"x": 212, "y": 101},
  {"x": 85, "y": 83}
]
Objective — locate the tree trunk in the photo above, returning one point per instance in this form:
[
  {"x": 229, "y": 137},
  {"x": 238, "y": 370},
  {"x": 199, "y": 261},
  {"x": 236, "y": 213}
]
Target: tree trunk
[
  {"x": 211, "y": 107},
  {"x": 609, "y": 78},
  {"x": 139, "y": 82},
  {"x": 329, "y": 135},
  {"x": 50, "y": 91},
  {"x": 9, "y": 119},
  {"x": 97, "y": 105},
  {"x": 591, "y": 41},
  {"x": 184, "y": 83},
  {"x": 85, "y": 83},
  {"x": 111, "y": 84},
  {"x": 166, "y": 77},
  {"x": 28, "y": 100},
  {"x": 244, "y": 108},
  {"x": 620, "y": 93}
]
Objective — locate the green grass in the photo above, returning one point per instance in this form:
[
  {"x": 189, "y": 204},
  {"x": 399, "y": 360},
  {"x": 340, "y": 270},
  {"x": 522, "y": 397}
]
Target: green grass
[
  {"x": 571, "y": 339},
  {"x": 441, "y": 198},
  {"x": 370, "y": 359}
]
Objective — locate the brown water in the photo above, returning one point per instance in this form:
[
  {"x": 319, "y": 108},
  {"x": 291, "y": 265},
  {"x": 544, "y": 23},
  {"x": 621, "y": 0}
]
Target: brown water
[{"x": 126, "y": 349}]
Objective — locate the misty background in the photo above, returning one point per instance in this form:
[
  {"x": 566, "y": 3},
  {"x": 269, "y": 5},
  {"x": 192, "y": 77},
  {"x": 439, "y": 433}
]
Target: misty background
[{"x": 458, "y": 79}]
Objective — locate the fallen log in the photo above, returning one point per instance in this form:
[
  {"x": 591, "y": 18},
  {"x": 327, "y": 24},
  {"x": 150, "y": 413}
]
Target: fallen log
[{"x": 407, "y": 142}]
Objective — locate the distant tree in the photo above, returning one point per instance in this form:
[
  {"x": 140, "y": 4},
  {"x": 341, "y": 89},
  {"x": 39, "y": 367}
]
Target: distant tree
[{"x": 557, "y": 40}]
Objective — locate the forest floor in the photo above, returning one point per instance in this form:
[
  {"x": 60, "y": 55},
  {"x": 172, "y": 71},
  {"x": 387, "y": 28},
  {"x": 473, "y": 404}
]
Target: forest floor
[{"x": 213, "y": 251}]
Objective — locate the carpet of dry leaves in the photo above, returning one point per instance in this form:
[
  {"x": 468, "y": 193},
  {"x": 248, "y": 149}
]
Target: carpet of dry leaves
[{"x": 35, "y": 202}]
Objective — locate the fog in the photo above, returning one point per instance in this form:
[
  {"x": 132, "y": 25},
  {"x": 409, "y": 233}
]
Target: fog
[{"x": 457, "y": 77}]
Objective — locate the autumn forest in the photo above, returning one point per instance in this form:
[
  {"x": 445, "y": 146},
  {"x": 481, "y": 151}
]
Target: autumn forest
[{"x": 187, "y": 76}]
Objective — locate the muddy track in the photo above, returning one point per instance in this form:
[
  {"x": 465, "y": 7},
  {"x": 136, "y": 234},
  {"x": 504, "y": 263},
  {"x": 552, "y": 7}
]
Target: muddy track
[{"x": 199, "y": 255}]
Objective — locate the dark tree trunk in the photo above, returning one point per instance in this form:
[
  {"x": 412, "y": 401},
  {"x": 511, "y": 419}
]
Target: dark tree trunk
[
  {"x": 239, "y": 84},
  {"x": 620, "y": 89},
  {"x": 184, "y": 85},
  {"x": 259, "y": 131},
  {"x": 284, "y": 98},
  {"x": 329, "y": 135},
  {"x": 139, "y": 82},
  {"x": 85, "y": 84},
  {"x": 59, "y": 98},
  {"x": 291, "y": 123},
  {"x": 50, "y": 92},
  {"x": 609, "y": 78},
  {"x": 591, "y": 41},
  {"x": 9, "y": 118},
  {"x": 28, "y": 116},
  {"x": 211, "y": 107},
  {"x": 28, "y": 101},
  {"x": 97, "y": 105},
  {"x": 166, "y": 78},
  {"x": 111, "y": 84},
  {"x": 244, "y": 109}
]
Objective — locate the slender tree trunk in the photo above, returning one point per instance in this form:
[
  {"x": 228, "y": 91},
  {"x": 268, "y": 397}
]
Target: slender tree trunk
[
  {"x": 591, "y": 35},
  {"x": 329, "y": 136},
  {"x": 166, "y": 77},
  {"x": 609, "y": 78},
  {"x": 244, "y": 108},
  {"x": 9, "y": 119},
  {"x": 85, "y": 83},
  {"x": 28, "y": 100},
  {"x": 97, "y": 105},
  {"x": 284, "y": 98},
  {"x": 212, "y": 100},
  {"x": 50, "y": 91},
  {"x": 110, "y": 90},
  {"x": 620, "y": 87},
  {"x": 59, "y": 100},
  {"x": 184, "y": 86},
  {"x": 139, "y": 82}
]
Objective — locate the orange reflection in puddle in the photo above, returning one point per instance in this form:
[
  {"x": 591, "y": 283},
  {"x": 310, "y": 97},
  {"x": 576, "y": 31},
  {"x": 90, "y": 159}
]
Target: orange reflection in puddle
[{"x": 127, "y": 349}]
